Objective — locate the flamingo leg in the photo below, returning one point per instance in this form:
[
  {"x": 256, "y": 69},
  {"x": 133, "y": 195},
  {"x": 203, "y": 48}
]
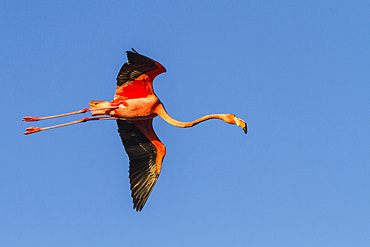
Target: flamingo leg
[
  {"x": 31, "y": 130},
  {"x": 29, "y": 119}
]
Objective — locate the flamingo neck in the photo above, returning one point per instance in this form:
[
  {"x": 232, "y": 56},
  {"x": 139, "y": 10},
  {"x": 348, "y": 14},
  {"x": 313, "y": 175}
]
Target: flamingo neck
[{"x": 163, "y": 114}]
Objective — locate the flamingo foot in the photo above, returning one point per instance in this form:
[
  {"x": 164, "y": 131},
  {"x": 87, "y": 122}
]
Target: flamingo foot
[
  {"x": 31, "y": 130},
  {"x": 29, "y": 119}
]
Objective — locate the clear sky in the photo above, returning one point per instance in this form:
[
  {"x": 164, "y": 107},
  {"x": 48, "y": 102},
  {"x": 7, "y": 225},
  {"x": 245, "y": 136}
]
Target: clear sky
[{"x": 296, "y": 71}]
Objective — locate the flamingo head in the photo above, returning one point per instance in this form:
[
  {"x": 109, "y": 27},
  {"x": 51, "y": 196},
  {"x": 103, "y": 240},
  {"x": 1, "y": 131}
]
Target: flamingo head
[{"x": 241, "y": 123}]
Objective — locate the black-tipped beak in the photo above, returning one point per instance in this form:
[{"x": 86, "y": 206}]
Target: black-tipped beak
[{"x": 245, "y": 129}]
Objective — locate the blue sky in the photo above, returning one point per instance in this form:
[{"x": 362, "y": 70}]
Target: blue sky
[{"x": 296, "y": 71}]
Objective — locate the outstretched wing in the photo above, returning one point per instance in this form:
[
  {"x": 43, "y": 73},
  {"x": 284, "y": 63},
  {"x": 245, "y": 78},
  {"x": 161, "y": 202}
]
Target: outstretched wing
[
  {"x": 145, "y": 152},
  {"x": 135, "y": 78},
  {"x": 136, "y": 66}
]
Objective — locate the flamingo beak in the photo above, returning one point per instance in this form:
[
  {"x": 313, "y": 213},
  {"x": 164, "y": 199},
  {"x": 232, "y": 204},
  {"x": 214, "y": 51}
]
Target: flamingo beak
[{"x": 245, "y": 128}]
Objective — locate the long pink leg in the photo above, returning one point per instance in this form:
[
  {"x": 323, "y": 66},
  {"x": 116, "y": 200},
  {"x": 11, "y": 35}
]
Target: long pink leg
[
  {"x": 31, "y": 130},
  {"x": 29, "y": 119}
]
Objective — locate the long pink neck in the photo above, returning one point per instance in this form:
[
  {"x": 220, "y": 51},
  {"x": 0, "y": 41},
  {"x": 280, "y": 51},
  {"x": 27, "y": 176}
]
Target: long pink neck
[{"x": 163, "y": 114}]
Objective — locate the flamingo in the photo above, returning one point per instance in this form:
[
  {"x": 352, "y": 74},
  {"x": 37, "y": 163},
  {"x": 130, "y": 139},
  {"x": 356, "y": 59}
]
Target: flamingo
[{"x": 134, "y": 106}]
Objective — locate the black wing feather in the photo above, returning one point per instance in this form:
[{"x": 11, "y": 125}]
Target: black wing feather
[
  {"x": 136, "y": 66},
  {"x": 142, "y": 154}
]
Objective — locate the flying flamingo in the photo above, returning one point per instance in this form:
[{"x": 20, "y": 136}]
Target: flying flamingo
[{"x": 134, "y": 106}]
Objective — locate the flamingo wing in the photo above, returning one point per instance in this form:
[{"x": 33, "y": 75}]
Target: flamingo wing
[
  {"x": 144, "y": 158},
  {"x": 136, "y": 66},
  {"x": 135, "y": 79}
]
